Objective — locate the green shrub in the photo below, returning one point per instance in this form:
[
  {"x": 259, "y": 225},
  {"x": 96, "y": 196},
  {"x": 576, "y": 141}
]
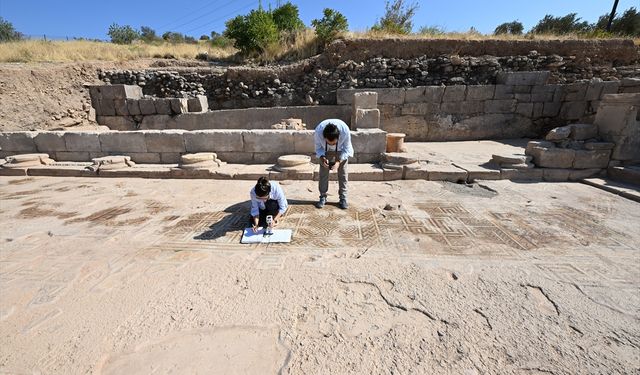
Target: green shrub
[
  {"x": 431, "y": 30},
  {"x": 252, "y": 33},
  {"x": 561, "y": 25},
  {"x": 148, "y": 34},
  {"x": 122, "y": 34},
  {"x": 626, "y": 25},
  {"x": 7, "y": 32},
  {"x": 219, "y": 40},
  {"x": 513, "y": 28},
  {"x": 287, "y": 17},
  {"x": 330, "y": 26},
  {"x": 398, "y": 18}
]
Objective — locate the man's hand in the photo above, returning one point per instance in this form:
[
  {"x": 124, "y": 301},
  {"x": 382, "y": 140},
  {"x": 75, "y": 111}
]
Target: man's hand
[
  {"x": 336, "y": 166},
  {"x": 254, "y": 228},
  {"x": 324, "y": 161}
]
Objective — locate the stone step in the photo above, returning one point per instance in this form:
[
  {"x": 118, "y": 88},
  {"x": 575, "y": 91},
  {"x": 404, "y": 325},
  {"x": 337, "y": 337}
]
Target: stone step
[
  {"x": 624, "y": 190},
  {"x": 628, "y": 175}
]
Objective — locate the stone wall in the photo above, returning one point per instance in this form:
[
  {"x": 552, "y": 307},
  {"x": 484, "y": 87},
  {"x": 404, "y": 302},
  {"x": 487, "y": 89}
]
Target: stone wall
[
  {"x": 618, "y": 121},
  {"x": 152, "y": 147},
  {"x": 519, "y": 106},
  {"x": 383, "y": 64}
]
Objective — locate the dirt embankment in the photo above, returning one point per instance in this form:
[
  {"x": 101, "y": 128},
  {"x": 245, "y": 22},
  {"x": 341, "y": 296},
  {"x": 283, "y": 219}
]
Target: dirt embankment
[{"x": 48, "y": 96}]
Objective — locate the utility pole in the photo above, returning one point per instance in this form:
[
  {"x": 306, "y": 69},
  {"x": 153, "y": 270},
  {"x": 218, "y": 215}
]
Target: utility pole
[{"x": 613, "y": 14}]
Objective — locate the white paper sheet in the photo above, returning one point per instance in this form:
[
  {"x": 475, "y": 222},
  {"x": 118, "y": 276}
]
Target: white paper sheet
[{"x": 278, "y": 236}]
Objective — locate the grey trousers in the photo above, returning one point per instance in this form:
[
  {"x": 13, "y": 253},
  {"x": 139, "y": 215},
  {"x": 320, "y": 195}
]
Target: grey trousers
[{"x": 343, "y": 179}]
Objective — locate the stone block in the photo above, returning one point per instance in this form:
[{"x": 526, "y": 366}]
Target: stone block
[
  {"x": 125, "y": 142},
  {"x": 217, "y": 141},
  {"x": 121, "y": 92},
  {"x": 446, "y": 172},
  {"x": 575, "y": 92},
  {"x": 556, "y": 174},
  {"x": 365, "y": 100},
  {"x": 13, "y": 171},
  {"x": 22, "y": 142},
  {"x": 576, "y": 175},
  {"x": 366, "y": 118},
  {"x": 433, "y": 94},
  {"x": 414, "y": 95},
  {"x": 393, "y": 96},
  {"x": 503, "y": 92},
  {"x": 500, "y": 106},
  {"x": 155, "y": 122},
  {"x": 170, "y": 157},
  {"x": 269, "y": 141},
  {"x": 586, "y": 159},
  {"x": 553, "y": 157},
  {"x": 525, "y": 109},
  {"x": 163, "y": 106},
  {"x": 369, "y": 141},
  {"x": 50, "y": 142},
  {"x": 73, "y": 156},
  {"x": 542, "y": 93},
  {"x": 106, "y": 107},
  {"x": 538, "y": 109},
  {"x": 594, "y": 90},
  {"x": 609, "y": 87},
  {"x": 179, "y": 105},
  {"x": 573, "y": 110},
  {"x": 365, "y": 172},
  {"x": 523, "y": 78},
  {"x": 551, "y": 109},
  {"x": 522, "y": 90},
  {"x": 167, "y": 141},
  {"x": 468, "y": 107},
  {"x": 117, "y": 122},
  {"x": 581, "y": 132},
  {"x": 198, "y": 104},
  {"x": 454, "y": 93},
  {"x": 392, "y": 174},
  {"x": 416, "y": 171},
  {"x": 121, "y": 107},
  {"x": 145, "y": 157},
  {"x": 147, "y": 107},
  {"x": 480, "y": 92},
  {"x": 82, "y": 141},
  {"x": 533, "y": 174},
  {"x": 133, "y": 107},
  {"x": 599, "y": 145},
  {"x": 476, "y": 172},
  {"x": 559, "y": 133},
  {"x": 303, "y": 142},
  {"x": 420, "y": 108},
  {"x": 61, "y": 171},
  {"x": 523, "y": 97}
]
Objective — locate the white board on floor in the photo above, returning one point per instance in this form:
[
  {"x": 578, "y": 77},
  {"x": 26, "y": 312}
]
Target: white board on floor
[{"x": 278, "y": 236}]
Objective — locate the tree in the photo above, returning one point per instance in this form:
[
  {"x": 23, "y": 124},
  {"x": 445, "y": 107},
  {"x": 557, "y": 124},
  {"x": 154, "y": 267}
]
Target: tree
[
  {"x": 204, "y": 37},
  {"x": 252, "y": 33},
  {"x": 330, "y": 25},
  {"x": 122, "y": 34},
  {"x": 561, "y": 25},
  {"x": 514, "y": 28},
  {"x": 7, "y": 32},
  {"x": 287, "y": 17},
  {"x": 148, "y": 34},
  {"x": 398, "y": 17},
  {"x": 626, "y": 25}
]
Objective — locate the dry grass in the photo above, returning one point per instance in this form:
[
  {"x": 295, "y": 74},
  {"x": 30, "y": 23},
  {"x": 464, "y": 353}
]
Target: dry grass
[
  {"x": 295, "y": 46},
  {"x": 63, "y": 51}
]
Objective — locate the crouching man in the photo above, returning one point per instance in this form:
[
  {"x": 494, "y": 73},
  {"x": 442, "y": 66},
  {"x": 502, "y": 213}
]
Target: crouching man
[{"x": 333, "y": 149}]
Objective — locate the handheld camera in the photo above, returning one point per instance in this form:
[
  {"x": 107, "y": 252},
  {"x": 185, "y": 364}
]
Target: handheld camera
[{"x": 269, "y": 229}]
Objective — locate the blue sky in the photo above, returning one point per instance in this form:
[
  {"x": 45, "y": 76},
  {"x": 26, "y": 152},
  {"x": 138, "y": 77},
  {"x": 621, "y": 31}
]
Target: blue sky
[{"x": 91, "y": 19}]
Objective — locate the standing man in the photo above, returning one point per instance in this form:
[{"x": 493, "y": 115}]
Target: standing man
[{"x": 333, "y": 149}]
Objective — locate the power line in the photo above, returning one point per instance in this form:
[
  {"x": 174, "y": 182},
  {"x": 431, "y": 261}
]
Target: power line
[
  {"x": 220, "y": 18},
  {"x": 186, "y": 15},
  {"x": 201, "y": 16}
]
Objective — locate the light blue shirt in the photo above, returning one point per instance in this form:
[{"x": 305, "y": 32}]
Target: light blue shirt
[
  {"x": 276, "y": 194},
  {"x": 345, "y": 149}
]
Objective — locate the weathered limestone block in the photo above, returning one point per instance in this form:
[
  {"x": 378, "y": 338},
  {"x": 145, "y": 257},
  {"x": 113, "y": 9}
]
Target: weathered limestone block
[
  {"x": 111, "y": 163},
  {"x": 294, "y": 164},
  {"x": 147, "y": 107},
  {"x": 573, "y": 110},
  {"x": 510, "y": 159},
  {"x": 117, "y": 122},
  {"x": 414, "y": 94},
  {"x": 480, "y": 92},
  {"x": 599, "y": 145},
  {"x": 556, "y": 174},
  {"x": 75, "y": 156},
  {"x": 285, "y": 161},
  {"x": 155, "y": 122},
  {"x": 145, "y": 157},
  {"x": 82, "y": 141},
  {"x": 179, "y": 105},
  {"x": 551, "y": 109},
  {"x": 167, "y": 141},
  {"x": 169, "y": 157},
  {"x": 121, "y": 107},
  {"x": 500, "y": 106},
  {"x": 291, "y": 124},
  {"x": 538, "y": 109},
  {"x": 27, "y": 160},
  {"x": 106, "y": 107},
  {"x": 22, "y": 142},
  {"x": 303, "y": 142},
  {"x": 433, "y": 94},
  {"x": 533, "y": 174},
  {"x": 586, "y": 159},
  {"x": 609, "y": 87},
  {"x": 454, "y": 93},
  {"x": 576, "y": 175},
  {"x": 553, "y": 157},
  {"x": 617, "y": 121},
  {"x": 463, "y": 108},
  {"x": 542, "y": 93},
  {"x": 364, "y": 172},
  {"x": 399, "y": 158},
  {"x": 421, "y": 108},
  {"x": 120, "y": 91},
  {"x": 366, "y": 118},
  {"x": 559, "y": 133},
  {"x": 198, "y": 104},
  {"x": 532, "y": 144},
  {"x": 524, "y": 109},
  {"x": 280, "y": 141},
  {"x": 50, "y": 141},
  {"x": 583, "y": 131},
  {"x": 218, "y": 140},
  {"x": 369, "y": 141},
  {"x": 163, "y": 106},
  {"x": 133, "y": 107},
  {"x": 446, "y": 172},
  {"x": 476, "y": 172},
  {"x": 365, "y": 100},
  {"x": 503, "y": 92},
  {"x": 523, "y": 78},
  {"x": 122, "y": 142},
  {"x": 594, "y": 90},
  {"x": 201, "y": 160}
]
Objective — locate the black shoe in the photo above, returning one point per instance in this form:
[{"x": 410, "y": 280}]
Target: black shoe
[
  {"x": 321, "y": 202},
  {"x": 343, "y": 204}
]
